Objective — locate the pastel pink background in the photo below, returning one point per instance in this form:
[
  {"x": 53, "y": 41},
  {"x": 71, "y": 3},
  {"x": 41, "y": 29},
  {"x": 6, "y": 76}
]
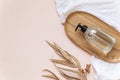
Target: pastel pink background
[{"x": 24, "y": 27}]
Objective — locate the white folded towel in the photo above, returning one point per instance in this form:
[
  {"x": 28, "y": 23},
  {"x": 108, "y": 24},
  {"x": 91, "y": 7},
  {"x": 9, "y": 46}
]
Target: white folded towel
[{"x": 106, "y": 10}]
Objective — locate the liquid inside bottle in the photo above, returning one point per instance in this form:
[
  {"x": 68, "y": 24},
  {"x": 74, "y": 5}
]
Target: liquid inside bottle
[{"x": 98, "y": 38}]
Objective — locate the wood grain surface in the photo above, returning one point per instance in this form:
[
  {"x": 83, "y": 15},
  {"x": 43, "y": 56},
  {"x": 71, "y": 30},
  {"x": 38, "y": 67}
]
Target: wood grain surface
[{"x": 78, "y": 37}]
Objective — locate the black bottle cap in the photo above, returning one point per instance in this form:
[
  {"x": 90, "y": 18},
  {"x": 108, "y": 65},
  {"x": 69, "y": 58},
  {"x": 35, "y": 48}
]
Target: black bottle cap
[{"x": 83, "y": 27}]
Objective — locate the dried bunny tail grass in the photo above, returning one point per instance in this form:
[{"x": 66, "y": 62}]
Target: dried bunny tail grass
[
  {"x": 65, "y": 55},
  {"x": 87, "y": 69},
  {"x": 60, "y": 51},
  {"x": 52, "y": 75},
  {"x": 68, "y": 60}
]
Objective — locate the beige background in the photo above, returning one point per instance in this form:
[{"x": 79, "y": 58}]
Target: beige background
[{"x": 24, "y": 27}]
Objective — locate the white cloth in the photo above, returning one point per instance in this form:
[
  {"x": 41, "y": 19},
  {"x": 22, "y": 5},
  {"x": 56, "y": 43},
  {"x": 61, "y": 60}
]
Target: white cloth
[{"x": 106, "y": 10}]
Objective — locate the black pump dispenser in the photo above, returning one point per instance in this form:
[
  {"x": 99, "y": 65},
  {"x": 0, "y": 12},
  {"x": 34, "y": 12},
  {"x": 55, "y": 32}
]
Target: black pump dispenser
[{"x": 83, "y": 27}]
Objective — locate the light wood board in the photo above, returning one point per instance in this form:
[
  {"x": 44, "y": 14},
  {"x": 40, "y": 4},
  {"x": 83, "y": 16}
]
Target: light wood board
[{"x": 78, "y": 37}]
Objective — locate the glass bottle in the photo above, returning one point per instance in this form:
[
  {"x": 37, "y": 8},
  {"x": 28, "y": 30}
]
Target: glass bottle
[{"x": 97, "y": 37}]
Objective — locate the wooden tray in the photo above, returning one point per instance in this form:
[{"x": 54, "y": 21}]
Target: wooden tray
[{"x": 78, "y": 37}]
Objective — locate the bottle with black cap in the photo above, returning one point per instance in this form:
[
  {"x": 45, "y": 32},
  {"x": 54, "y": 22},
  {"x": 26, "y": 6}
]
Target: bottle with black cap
[{"x": 97, "y": 38}]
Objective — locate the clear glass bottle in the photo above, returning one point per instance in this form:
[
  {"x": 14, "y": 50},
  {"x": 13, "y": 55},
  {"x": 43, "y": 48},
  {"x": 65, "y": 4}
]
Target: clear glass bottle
[{"x": 98, "y": 38}]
